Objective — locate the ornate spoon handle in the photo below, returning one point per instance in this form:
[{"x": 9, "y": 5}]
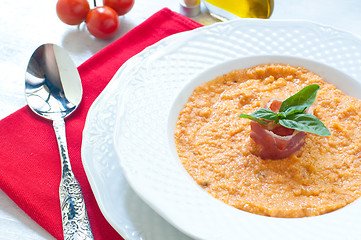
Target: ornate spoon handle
[{"x": 74, "y": 215}]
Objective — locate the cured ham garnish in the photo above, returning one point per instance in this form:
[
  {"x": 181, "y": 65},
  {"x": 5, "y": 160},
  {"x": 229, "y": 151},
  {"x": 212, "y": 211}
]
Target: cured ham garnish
[
  {"x": 275, "y": 146},
  {"x": 276, "y": 141},
  {"x": 280, "y": 127}
]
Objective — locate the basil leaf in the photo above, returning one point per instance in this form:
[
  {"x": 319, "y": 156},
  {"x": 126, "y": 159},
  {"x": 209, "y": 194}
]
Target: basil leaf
[
  {"x": 252, "y": 118},
  {"x": 265, "y": 114},
  {"x": 301, "y": 101},
  {"x": 294, "y": 110},
  {"x": 281, "y": 115},
  {"x": 305, "y": 122},
  {"x": 260, "y": 114},
  {"x": 292, "y": 113}
]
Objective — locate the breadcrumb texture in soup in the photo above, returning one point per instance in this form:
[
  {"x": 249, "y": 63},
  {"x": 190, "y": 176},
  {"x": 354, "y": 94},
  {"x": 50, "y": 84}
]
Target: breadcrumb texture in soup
[{"x": 215, "y": 147}]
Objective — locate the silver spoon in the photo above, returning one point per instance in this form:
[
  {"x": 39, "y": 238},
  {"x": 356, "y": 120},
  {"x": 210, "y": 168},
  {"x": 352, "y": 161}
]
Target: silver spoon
[{"x": 53, "y": 90}]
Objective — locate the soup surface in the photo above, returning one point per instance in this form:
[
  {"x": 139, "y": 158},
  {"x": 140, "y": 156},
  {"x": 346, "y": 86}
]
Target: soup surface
[{"x": 215, "y": 147}]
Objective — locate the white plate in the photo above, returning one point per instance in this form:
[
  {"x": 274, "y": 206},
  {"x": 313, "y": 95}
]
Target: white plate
[{"x": 141, "y": 95}]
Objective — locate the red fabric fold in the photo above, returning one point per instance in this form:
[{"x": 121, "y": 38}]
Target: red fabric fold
[{"x": 30, "y": 164}]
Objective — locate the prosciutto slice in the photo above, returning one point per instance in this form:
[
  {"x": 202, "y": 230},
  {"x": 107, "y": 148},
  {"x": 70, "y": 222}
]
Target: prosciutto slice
[{"x": 276, "y": 141}]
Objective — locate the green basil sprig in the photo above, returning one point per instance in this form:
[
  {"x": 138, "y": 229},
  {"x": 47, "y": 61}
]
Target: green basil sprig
[{"x": 292, "y": 113}]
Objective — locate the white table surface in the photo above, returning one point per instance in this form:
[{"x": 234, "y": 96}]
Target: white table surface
[{"x": 25, "y": 24}]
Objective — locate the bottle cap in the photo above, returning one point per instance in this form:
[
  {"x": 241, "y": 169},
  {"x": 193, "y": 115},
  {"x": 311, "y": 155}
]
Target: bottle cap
[{"x": 189, "y": 8}]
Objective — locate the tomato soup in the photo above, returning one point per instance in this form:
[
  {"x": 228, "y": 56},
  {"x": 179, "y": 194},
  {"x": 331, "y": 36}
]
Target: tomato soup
[{"x": 215, "y": 147}]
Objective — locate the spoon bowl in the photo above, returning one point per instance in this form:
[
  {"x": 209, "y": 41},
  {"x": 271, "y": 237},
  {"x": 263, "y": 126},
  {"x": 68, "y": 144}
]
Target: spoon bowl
[
  {"x": 53, "y": 91},
  {"x": 52, "y": 83}
]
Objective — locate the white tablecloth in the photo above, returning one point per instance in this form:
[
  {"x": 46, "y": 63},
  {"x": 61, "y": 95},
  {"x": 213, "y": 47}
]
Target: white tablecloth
[{"x": 25, "y": 24}]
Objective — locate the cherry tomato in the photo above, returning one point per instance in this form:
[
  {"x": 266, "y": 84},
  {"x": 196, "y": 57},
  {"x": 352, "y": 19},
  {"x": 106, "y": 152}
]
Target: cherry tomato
[
  {"x": 102, "y": 22},
  {"x": 120, "y": 6},
  {"x": 72, "y": 12}
]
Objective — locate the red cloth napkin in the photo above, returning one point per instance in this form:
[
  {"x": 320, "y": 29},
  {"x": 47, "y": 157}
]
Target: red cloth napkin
[{"x": 30, "y": 164}]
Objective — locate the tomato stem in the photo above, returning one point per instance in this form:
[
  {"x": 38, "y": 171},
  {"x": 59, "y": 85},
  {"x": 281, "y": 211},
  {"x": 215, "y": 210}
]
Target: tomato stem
[{"x": 95, "y": 3}]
